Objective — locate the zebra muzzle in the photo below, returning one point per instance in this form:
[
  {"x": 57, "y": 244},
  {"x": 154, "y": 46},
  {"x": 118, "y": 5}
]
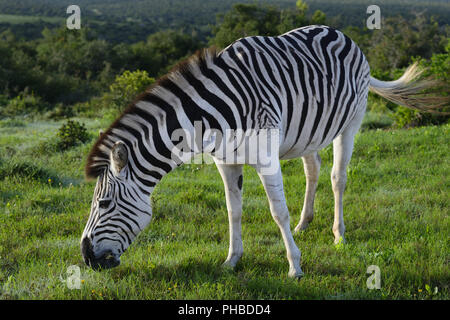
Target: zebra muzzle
[{"x": 106, "y": 260}]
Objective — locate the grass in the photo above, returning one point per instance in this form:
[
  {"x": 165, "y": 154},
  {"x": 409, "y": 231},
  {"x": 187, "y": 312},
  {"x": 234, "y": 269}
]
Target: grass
[
  {"x": 376, "y": 120},
  {"x": 20, "y": 19},
  {"x": 396, "y": 213}
]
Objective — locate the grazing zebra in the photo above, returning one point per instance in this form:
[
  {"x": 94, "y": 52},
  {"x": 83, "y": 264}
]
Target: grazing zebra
[{"x": 310, "y": 85}]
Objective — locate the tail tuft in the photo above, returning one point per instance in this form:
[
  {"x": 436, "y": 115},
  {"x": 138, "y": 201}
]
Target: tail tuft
[{"x": 412, "y": 92}]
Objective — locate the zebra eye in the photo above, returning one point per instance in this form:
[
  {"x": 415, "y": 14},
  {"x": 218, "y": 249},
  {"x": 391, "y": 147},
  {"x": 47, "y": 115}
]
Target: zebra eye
[{"x": 104, "y": 203}]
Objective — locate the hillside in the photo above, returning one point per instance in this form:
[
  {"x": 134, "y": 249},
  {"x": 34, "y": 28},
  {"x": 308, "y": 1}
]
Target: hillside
[{"x": 131, "y": 21}]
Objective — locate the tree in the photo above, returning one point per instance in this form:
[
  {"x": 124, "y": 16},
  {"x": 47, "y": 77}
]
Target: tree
[
  {"x": 18, "y": 69},
  {"x": 394, "y": 45},
  {"x": 250, "y": 19},
  {"x": 127, "y": 86},
  {"x": 73, "y": 52},
  {"x": 169, "y": 47},
  {"x": 156, "y": 55},
  {"x": 245, "y": 20}
]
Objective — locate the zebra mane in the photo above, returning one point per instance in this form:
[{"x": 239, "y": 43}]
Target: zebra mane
[{"x": 99, "y": 157}]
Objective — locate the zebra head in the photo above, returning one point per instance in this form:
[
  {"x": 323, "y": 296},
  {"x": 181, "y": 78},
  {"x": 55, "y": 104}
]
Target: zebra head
[{"x": 119, "y": 211}]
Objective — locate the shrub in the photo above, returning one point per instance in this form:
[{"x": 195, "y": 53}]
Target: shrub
[
  {"x": 128, "y": 85},
  {"x": 376, "y": 120},
  {"x": 23, "y": 104},
  {"x": 60, "y": 111},
  {"x": 11, "y": 123},
  {"x": 123, "y": 90},
  {"x": 439, "y": 68},
  {"x": 70, "y": 134}
]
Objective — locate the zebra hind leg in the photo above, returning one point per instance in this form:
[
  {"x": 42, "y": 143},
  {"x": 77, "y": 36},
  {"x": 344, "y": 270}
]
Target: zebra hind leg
[
  {"x": 342, "y": 153},
  {"x": 311, "y": 165},
  {"x": 232, "y": 180}
]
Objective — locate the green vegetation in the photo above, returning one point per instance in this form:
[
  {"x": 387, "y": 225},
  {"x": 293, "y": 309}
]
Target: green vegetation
[
  {"x": 70, "y": 72},
  {"x": 59, "y": 87},
  {"x": 70, "y": 134},
  {"x": 18, "y": 19},
  {"x": 249, "y": 19},
  {"x": 396, "y": 210},
  {"x": 127, "y": 86},
  {"x": 132, "y": 20}
]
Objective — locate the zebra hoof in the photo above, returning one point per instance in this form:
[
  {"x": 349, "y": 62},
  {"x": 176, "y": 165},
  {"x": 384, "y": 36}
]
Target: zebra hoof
[
  {"x": 339, "y": 241},
  {"x": 229, "y": 264},
  {"x": 296, "y": 274},
  {"x": 302, "y": 225},
  {"x": 228, "y": 268}
]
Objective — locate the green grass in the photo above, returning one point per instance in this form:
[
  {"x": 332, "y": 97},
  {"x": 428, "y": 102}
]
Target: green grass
[
  {"x": 396, "y": 209},
  {"x": 20, "y": 19}
]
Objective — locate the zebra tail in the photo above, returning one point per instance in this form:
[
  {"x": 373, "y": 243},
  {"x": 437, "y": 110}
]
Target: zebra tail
[{"x": 410, "y": 91}]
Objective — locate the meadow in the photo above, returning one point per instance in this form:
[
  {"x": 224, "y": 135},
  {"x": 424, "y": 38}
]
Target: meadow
[
  {"x": 396, "y": 209},
  {"x": 20, "y": 19}
]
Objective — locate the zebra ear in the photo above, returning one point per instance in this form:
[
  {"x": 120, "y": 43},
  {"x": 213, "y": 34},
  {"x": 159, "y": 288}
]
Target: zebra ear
[{"x": 119, "y": 156}]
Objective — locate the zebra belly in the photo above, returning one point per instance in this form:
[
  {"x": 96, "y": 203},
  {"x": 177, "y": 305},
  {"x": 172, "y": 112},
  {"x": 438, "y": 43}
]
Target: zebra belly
[{"x": 299, "y": 150}]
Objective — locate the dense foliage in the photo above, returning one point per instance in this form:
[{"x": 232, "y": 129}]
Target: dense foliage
[
  {"x": 65, "y": 72},
  {"x": 70, "y": 134},
  {"x": 250, "y": 19},
  {"x": 127, "y": 86},
  {"x": 132, "y": 20}
]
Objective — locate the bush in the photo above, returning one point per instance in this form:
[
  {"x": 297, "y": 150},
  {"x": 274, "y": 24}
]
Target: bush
[
  {"x": 376, "y": 120},
  {"x": 70, "y": 134},
  {"x": 11, "y": 123},
  {"x": 128, "y": 85},
  {"x": 124, "y": 89},
  {"x": 23, "y": 104},
  {"x": 437, "y": 67},
  {"x": 60, "y": 111}
]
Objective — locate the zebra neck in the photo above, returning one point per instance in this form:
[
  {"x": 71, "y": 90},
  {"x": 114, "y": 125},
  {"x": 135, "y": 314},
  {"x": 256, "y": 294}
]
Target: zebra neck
[
  {"x": 172, "y": 118},
  {"x": 162, "y": 136}
]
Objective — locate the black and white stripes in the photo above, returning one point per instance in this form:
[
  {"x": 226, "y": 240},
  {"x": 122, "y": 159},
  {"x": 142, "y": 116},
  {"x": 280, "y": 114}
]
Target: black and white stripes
[
  {"x": 307, "y": 83},
  {"x": 310, "y": 85}
]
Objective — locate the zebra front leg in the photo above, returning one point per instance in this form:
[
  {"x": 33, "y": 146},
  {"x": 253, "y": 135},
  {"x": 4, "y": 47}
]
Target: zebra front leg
[
  {"x": 273, "y": 184},
  {"x": 232, "y": 180},
  {"x": 311, "y": 165}
]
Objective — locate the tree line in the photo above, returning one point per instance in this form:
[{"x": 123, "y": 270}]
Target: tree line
[
  {"x": 77, "y": 69},
  {"x": 131, "y": 21}
]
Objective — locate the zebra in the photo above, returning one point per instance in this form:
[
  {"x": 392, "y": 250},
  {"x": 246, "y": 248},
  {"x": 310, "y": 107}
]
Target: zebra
[{"x": 310, "y": 85}]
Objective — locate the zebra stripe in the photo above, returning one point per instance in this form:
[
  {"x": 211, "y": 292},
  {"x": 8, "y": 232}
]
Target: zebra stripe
[
  {"x": 311, "y": 84},
  {"x": 298, "y": 82},
  {"x": 303, "y": 82}
]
